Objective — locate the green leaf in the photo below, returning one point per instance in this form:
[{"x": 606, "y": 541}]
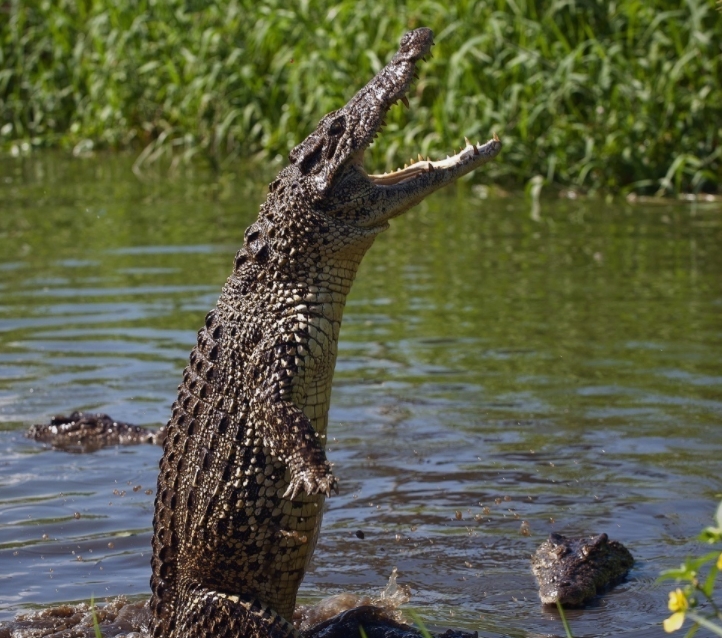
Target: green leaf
[
  {"x": 565, "y": 623},
  {"x": 149, "y": 66},
  {"x": 711, "y": 535},
  {"x": 676, "y": 574},
  {"x": 96, "y": 624},
  {"x": 708, "y": 586},
  {"x": 705, "y": 622},
  {"x": 419, "y": 623},
  {"x": 703, "y": 560}
]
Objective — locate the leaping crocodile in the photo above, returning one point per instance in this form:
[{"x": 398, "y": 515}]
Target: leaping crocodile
[{"x": 244, "y": 473}]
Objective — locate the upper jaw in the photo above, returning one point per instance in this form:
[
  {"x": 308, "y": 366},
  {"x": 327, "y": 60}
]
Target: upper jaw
[{"x": 367, "y": 109}]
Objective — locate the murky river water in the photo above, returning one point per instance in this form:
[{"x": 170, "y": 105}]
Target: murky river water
[{"x": 565, "y": 371}]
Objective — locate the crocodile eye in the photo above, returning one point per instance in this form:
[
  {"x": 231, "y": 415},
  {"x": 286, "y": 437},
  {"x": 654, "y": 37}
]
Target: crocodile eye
[{"x": 338, "y": 126}]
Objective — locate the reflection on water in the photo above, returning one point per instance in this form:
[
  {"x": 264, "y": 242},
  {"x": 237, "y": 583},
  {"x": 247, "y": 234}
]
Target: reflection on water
[{"x": 564, "y": 371}]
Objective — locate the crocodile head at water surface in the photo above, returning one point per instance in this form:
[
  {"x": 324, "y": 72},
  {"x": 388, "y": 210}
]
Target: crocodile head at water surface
[
  {"x": 571, "y": 571},
  {"x": 244, "y": 472}
]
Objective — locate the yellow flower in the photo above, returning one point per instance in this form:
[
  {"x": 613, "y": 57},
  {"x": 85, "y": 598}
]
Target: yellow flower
[
  {"x": 678, "y": 601},
  {"x": 674, "y": 622},
  {"x": 719, "y": 562}
]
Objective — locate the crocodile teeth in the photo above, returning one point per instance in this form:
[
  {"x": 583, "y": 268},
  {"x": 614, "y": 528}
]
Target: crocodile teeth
[{"x": 415, "y": 168}]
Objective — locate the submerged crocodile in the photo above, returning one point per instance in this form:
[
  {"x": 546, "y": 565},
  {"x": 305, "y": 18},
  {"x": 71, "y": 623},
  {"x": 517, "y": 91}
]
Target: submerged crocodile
[
  {"x": 244, "y": 473},
  {"x": 573, "y": 570}
]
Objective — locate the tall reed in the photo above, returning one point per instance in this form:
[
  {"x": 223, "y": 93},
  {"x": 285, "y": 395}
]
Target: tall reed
[{"x": 623, "y": 95}]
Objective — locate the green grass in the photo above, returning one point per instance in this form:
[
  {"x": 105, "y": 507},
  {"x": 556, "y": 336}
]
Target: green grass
[
  {"x": 565, "y": 622},
  {"x": 96, "y": 624},
  {"x": 591, "y": 95}
]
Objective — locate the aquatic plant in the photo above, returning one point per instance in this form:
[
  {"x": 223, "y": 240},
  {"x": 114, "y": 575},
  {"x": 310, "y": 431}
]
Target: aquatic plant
[
  {"x": 596, "y": 95},
  {"x": 565, "y": 622},
  {"x": 96, "y": 623},
  {"x": 686, "y": 603}
]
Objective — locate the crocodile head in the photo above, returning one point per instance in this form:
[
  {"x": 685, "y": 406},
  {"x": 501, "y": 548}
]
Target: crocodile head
[{"x": 327, "y": 167}]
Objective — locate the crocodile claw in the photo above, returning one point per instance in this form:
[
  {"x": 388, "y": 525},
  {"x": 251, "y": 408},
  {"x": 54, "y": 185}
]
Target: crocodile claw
[{"x": 311, "y": 484}]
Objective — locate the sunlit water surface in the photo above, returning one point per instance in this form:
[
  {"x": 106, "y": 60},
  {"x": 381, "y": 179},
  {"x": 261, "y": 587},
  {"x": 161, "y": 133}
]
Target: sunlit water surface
[{"x": 496, "y": 366}]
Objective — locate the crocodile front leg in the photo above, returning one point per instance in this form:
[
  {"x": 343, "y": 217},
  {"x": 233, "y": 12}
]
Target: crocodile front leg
[{"x": 291, "y": 437}]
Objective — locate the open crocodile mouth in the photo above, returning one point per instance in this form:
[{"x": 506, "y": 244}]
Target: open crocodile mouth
[
  {"x": 469, "y": 157},
  {"x": 414, "y": 168},
  {"x": 367, "y": 110}
]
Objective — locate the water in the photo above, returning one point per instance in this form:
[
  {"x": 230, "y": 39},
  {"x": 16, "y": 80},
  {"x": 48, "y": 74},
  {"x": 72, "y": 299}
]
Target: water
[{"x": 494, "y": 368}]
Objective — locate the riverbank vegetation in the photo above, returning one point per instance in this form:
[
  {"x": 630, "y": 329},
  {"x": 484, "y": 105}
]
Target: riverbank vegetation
[{"x": 615, "y": 96}]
